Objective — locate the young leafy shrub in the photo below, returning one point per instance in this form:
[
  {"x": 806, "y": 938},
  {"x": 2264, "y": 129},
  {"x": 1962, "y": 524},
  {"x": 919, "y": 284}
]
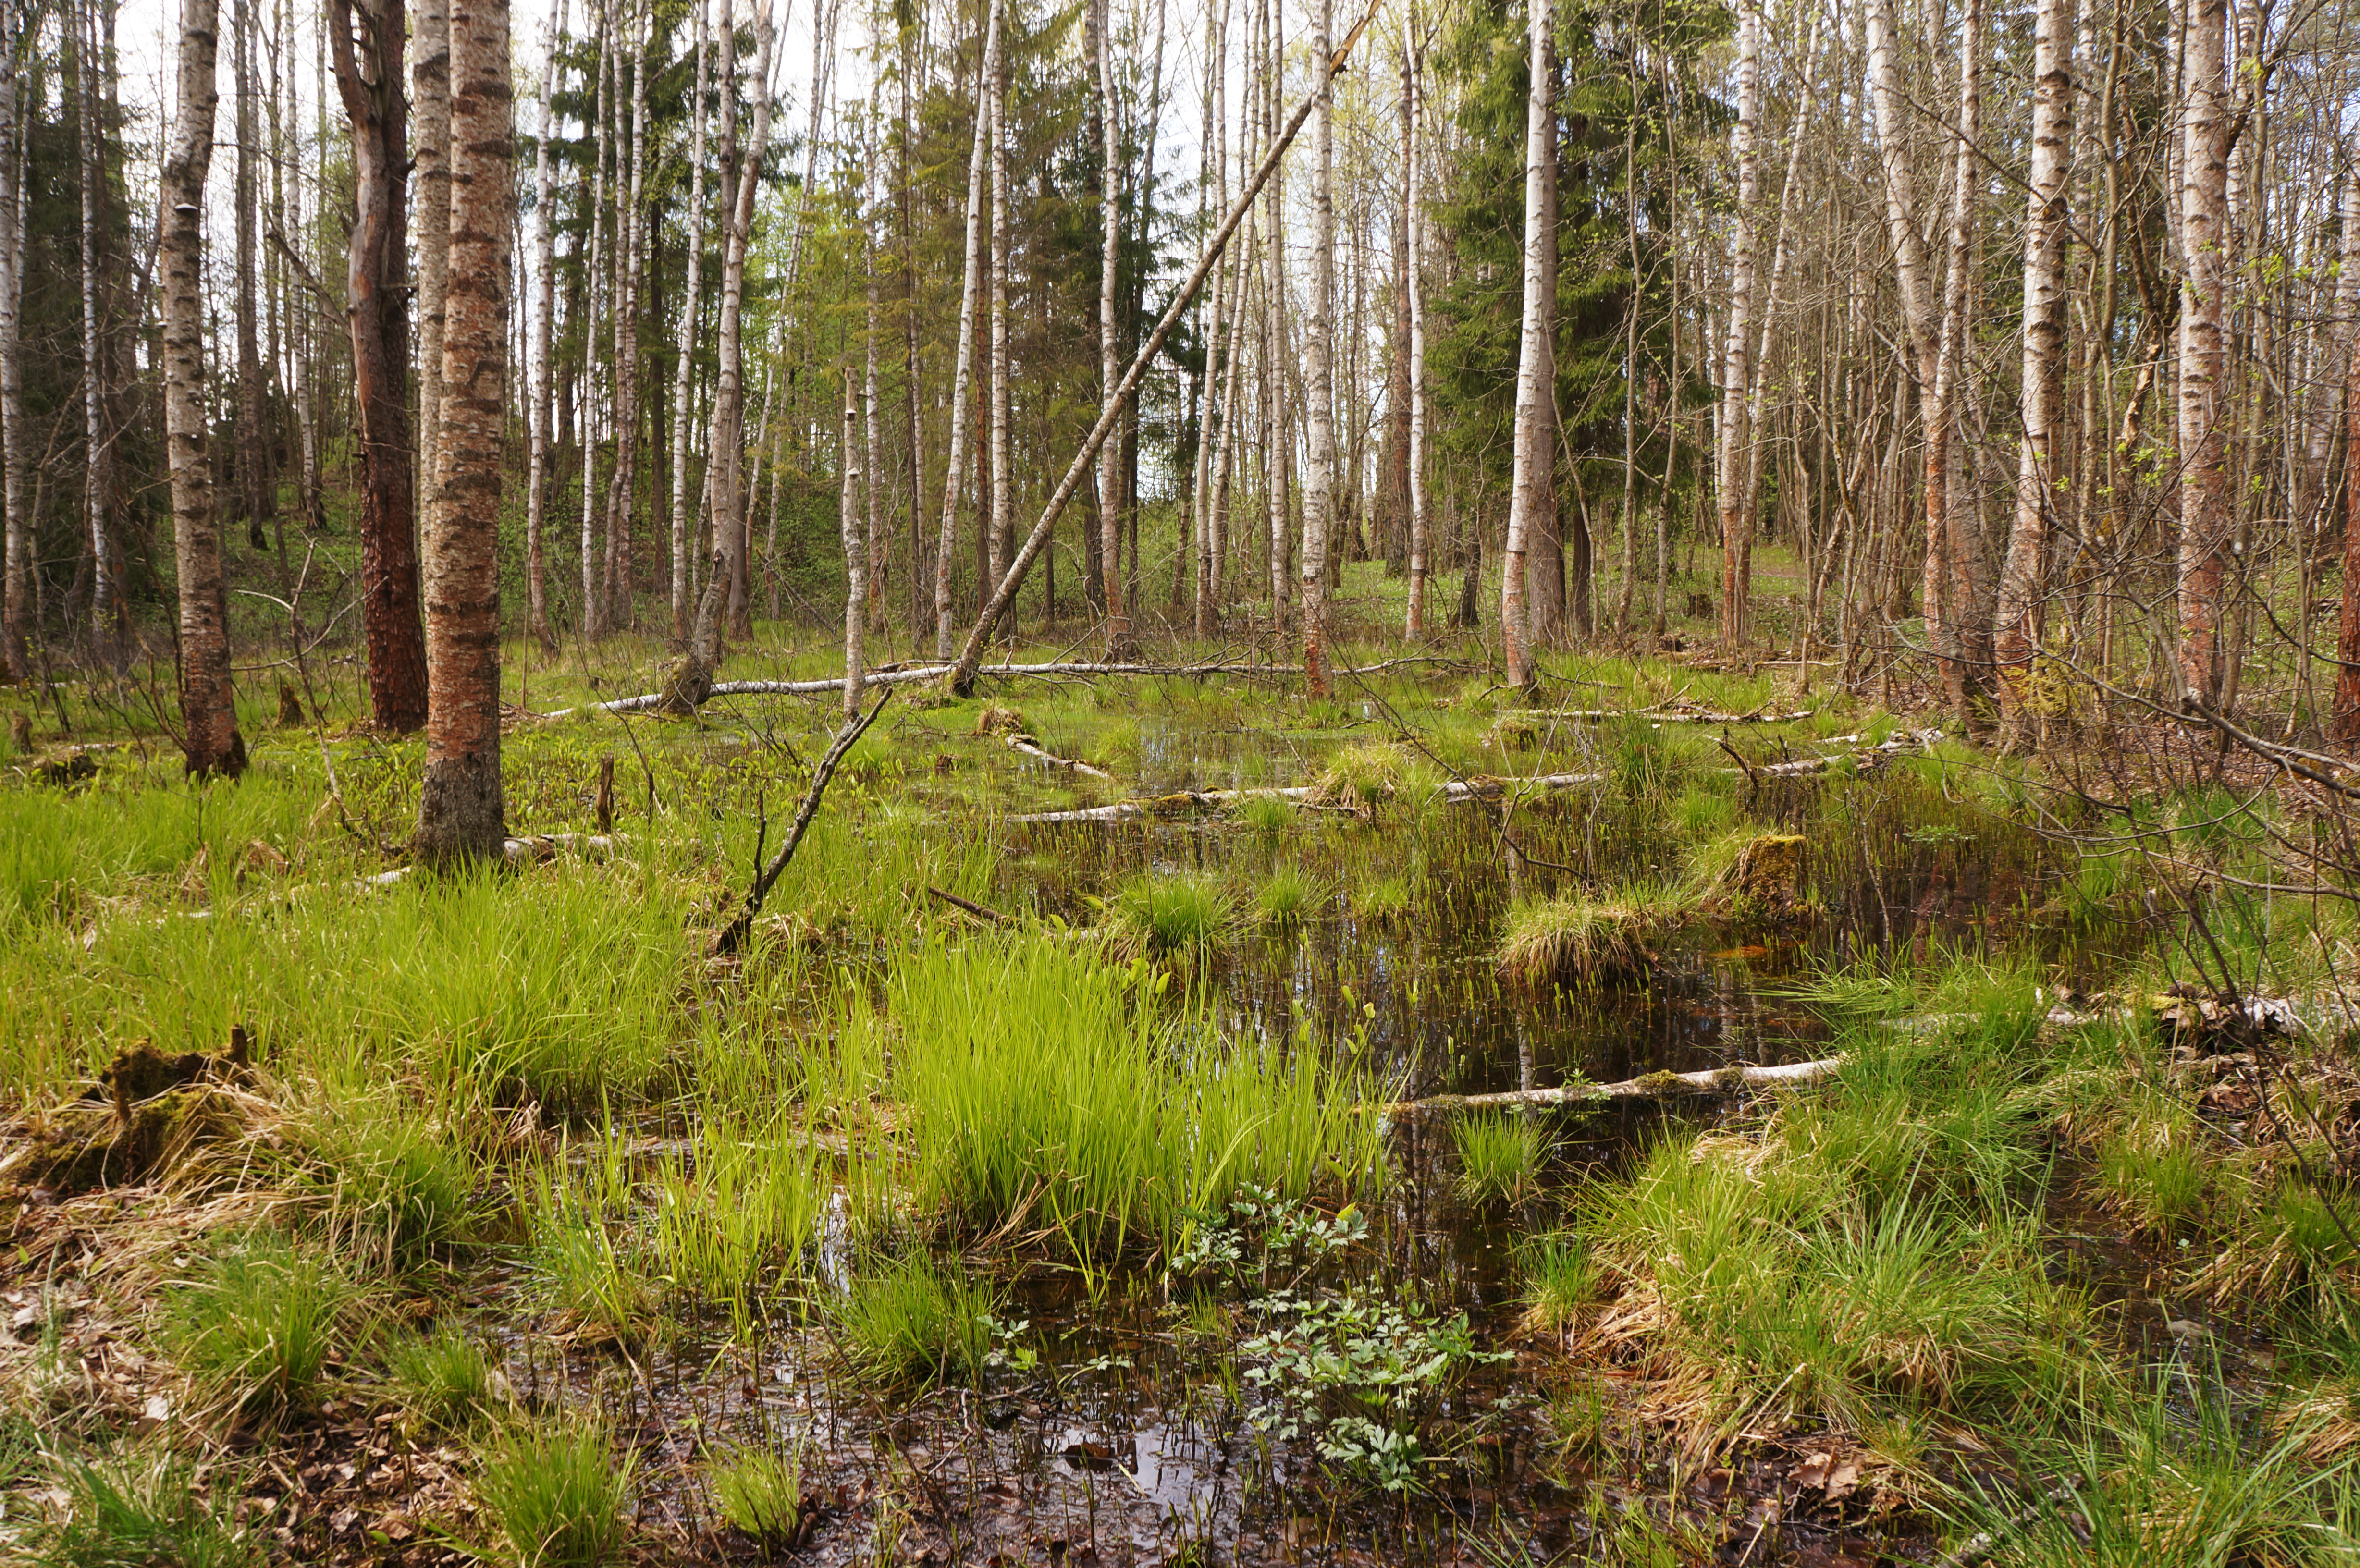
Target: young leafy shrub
[
  {"x": 131, "y": 1510},
  {"x": 759, "y": 1492},
  {"x": 1172, "y": 915},
  {"x": 913, "y": 1320},
  {"x": 555, "y": 1493},
  {"x": 444, "y": 1381},
  {"x": 258, "y": 1325},
  {"x": 1560, "y": 1279},
  {"x": 1500, "y": 1155}
]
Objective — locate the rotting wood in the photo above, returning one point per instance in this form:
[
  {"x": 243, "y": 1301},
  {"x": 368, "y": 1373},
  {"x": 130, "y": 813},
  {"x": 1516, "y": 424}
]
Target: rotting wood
[
  {"x": 982, "y": 913},
  {"x": 1649, "y": 1086},
  {"x": 1025, "y": 743},
  {"x": 1656, "y": 716}
]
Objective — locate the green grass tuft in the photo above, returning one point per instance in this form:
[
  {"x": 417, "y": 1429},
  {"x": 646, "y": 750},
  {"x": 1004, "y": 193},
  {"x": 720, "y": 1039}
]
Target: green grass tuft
[
  {"x": 761, "y": 1493},
  {"x": 134, "y": 1509},
  {"x": 1287, "y": 896},
  {"x": 257, "y": 1326},
  {"x": 916, "y": 1321},
  {"x": 1173, "y": 916},
  {"x": 555, "y": 1493},
  {"x": 1580, "y": 940},
  {"x": 1500, "y": 1155},
  {"x": 444, "y": 1381}
]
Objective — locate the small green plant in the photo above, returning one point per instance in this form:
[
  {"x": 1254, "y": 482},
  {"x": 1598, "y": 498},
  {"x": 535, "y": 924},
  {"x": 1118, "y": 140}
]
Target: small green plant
[
  {"x": 1385, "y": 900},
  {"x": 444, "y": 1381},
  {"x": 759, "y": 1492},
  {"x": 1560, "y": 1279},
  {"x": 1500, "y": 1155},
  {"x": 1173, "y": 916},
  {"x": 913, "y": 1320},
  {"x": 1588, "y": 941},
  {"x": 392, "y": 1182},
  {"x": 555, "y": 1493},
  {"x": 1266, "y": 815},
  {"x": 257, "y": 1326},
  {"x": 1286, "y": 897},
  {"x": 134, "y": 1509}
]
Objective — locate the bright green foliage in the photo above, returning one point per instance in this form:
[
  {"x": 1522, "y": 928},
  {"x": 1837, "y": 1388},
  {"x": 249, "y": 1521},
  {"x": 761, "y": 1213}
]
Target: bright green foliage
[
  {"x": 1287, "y": 896},
  {"x": 1041, "y": 1079},
  {"x": 760, "y": 1491},
  {"x": 135, "y": 1510},
  {"x": 588, "y": 1246},
  {"x": 394, "y": 1188},
  {"x": 917, "y": 1320},
  {"x": 1500, "y": 1155},
  {"x": 1183, "y": 915},
  {"x": 257, "y": 1325},
  {"x": 744, "y": 1198},
  {"x": 1561, "y": 1278},
  {"x": 555, "y": 1494}
]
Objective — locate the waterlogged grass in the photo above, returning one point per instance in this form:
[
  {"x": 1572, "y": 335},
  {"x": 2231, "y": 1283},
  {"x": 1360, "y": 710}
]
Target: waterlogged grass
[
  {"x": 760, "y": 1491},
  {"x": 444, "y": 1381},
  {"x": 913, "y": 1320},
  {"x": 133, "y": 1509},
  {"x": 1500, "y": 1155},
  {"x": 395, "y": 1188},
  {"x": 1180, "y": 915},
  {"x": 1039, "y": 1081},
  {"x": 1577, "y": 939},
  {"x": 1288, "y": 895}
]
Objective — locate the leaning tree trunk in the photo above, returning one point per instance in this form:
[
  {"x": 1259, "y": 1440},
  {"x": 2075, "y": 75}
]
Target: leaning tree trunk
[
  {"x": 537, "y": 466},
  {"x": 693, "y": 673},
  {"x": 15, "y": 596},
  {"x": 1319, "y": 365},
  {"x": 978, "y": 164},
  {"x": 2205, "y": 505},
  {"x": 461, "y": 816},
  {"x": 1733, "y": 454},
  {"x": 208, "y": 713},
  {"x": 2016, "y": 633},
  {"x": 368, "y": 78},
  {"x": 1530, "y": 486}
]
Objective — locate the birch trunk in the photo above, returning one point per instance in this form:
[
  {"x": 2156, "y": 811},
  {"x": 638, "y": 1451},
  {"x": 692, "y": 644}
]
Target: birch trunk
[
  {"x": 1319, "y": 497},
  {"x": 16, "y": 628},
  {"x": 1947, "y": 570},
  {"x": 594, "y": 276},
  {"x": 978, "y": 165},
  {"x": 209, "y": 740},
  {"x": 1530, "y": 486},
  {"x": 537, "y": 467},
  {"x": 368, "y": 38},
  {"x": 1733, "y": 459},
  {"x": 1002, "y": 525},
  {"x": 107, "y": 600},
  {"x": 1110, "y": 471},
  {"x": 1421, "y": 524},
  {"x": 2344, "y": 720},
  {"x": 622, "y": 484},
  {"x": 253, "y": 450},
  {"x": 461, "y": 818},
  {"x": 2016, "y": 631},
  {"x": 855, "y": 554},
  {"x": 2204, "y": 501},
  {"x": 683, "y": 526},
  {"x": 693, "y": 675}
]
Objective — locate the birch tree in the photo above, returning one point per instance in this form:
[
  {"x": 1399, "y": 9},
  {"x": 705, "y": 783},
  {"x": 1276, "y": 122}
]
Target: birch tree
[
  {"x": 1531, "y": 487},
  {"x": 209, "y": 740},
  {"x": 1319, "y": 497},
  {"x": 978, "y": 163},
  {"x": 540, "y": 457},
  {"x": 683, "y": 525},
  {"x": 17, "y": 629},
  {"x": 1733, "y": 454},
  {"x": 2204, "y": 500}
]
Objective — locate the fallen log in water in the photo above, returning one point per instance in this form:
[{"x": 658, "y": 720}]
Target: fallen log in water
[
  {"x": 1651, "y": 1086},
  {"x": 1458, "y": 792},
  {"x": 1655, "y": 715}
]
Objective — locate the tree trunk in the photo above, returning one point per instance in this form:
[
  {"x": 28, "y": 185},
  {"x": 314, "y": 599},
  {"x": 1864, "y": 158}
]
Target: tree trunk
[
  {"x": 1421, "y": 523},
  {"x": 2017, "y": 627},
  {"x": 1948, "y": 574},
  {"x": 1319, "y": 355},
  {"x": 1106, "y": 144},
  {"x": 1001, "y": 526},
  {"x": 630, "y": 239},
  {"x": 1530, "y": 486},
  {"x": 683, "y": 528},
  {"x": 695, "y": 672},
  {"x": 2205, "y": 505},
  {"x": 1732, "y": 457},
  {"x": 855, "y": 554},
  {"x": 209, "y": 740},
  {"x": 978, "y": 163},
  {"x": 430, "y": 75},
  {"x": 594, "y": 275},
  {"x": 253, "y": 450},
  {"x": 539, "y": 461},
  {"x": 461, "y": 816},
  {"x": 107, "y": 602},
  {"x": 2345, "y": 723},
  {"x": 16, "y": 628}
]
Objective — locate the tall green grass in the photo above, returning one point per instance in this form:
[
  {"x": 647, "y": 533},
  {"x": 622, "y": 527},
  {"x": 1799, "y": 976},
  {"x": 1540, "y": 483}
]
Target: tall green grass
[{"x": 1040, "y": 1080}]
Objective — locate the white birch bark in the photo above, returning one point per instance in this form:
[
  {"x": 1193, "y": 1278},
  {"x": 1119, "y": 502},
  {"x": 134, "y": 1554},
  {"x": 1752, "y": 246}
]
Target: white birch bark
[
  {"x": 536, "y": 476},
  {"x": 683, "y": 528},
  {"x": 978, "y": 166},
  {"x": 1732, "y": 456},
  {"x": 1319, "y": 494},
  {"x": 1529, "y": 485}
]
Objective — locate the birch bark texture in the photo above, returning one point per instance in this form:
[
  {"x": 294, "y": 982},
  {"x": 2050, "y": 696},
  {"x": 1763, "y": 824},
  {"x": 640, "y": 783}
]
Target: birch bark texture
[
  {"x": 1733, "y": 445},
  {"x": 978, "y": 162},
  {"x": 15, "y": 580},
  {"x": 209, "y": 742},
  {"x": 2205, "y": 505},
  {"x": 2345, "y": 718},
  {"x": 1530, "y": 486},
  {"x": 1109, "y": 470},
  {"x": 2016, "y": 630},
  {"x": 684, "y": 522},
  {"x": 1319, "y": 365},
  {"x": 462, "y": 817},
  {"x": 540, "y": 457}
]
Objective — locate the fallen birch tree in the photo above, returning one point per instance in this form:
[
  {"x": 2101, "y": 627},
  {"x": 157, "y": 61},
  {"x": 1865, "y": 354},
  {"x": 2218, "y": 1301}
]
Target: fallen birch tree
[{"x": 1648, "y": 1087}]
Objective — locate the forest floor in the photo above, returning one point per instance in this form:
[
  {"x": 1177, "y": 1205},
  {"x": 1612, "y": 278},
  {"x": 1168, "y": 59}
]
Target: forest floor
[{"x": 1044, "y": 1191}]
